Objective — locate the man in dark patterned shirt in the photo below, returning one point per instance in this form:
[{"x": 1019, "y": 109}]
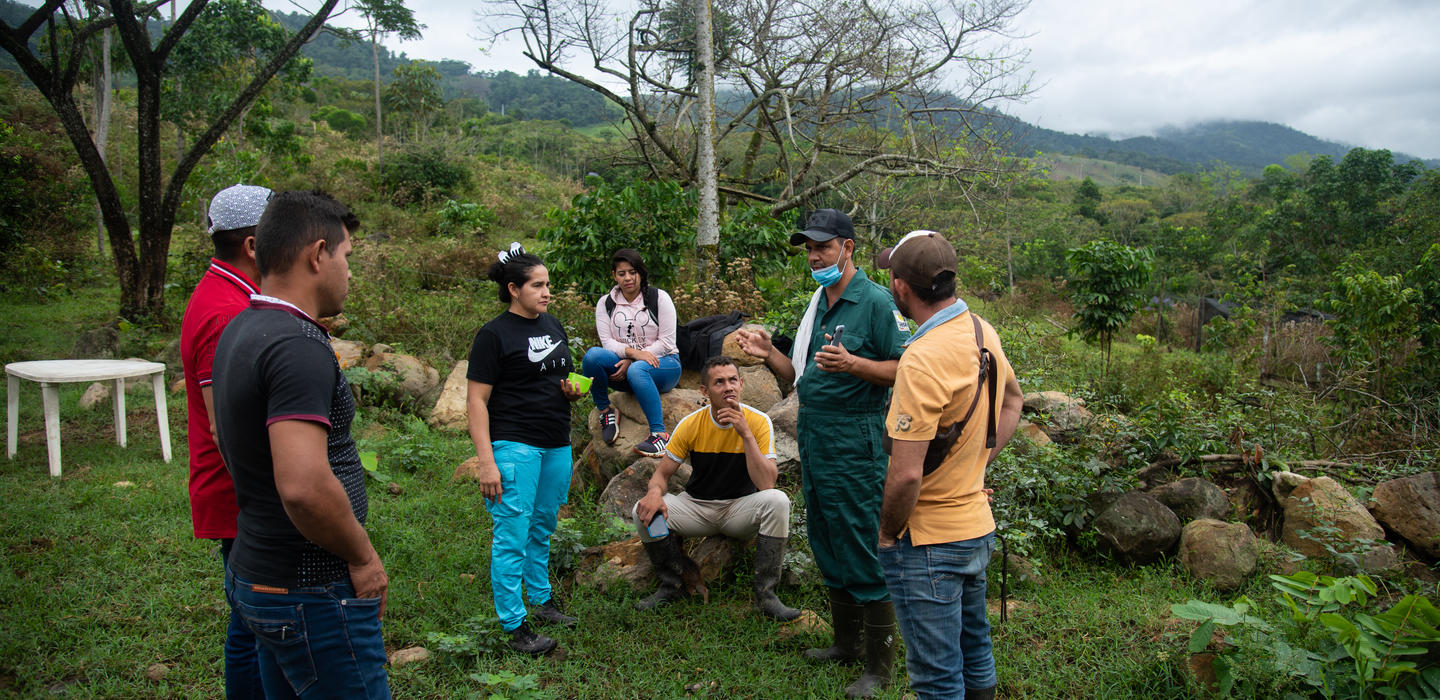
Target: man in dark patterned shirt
[{"x": 302, "y": 573}]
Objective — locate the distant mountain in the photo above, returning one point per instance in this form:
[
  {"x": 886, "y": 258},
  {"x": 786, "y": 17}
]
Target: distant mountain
[{"x": 1248, "y": 145}]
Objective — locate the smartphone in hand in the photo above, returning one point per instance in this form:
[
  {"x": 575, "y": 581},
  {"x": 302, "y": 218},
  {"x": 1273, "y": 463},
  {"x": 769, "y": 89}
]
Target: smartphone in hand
[{"x": 657, "y": 527}]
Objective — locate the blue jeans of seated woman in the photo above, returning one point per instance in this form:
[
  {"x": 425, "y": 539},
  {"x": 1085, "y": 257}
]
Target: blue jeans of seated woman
[
  {"x": 939, "y": 596},
  {"x": 534, "y": 481},
  {"x": 314, "y": 642},
  {"x": 645, "y": 382}
]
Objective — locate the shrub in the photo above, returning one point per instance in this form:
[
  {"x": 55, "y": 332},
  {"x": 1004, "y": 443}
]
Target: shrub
[
  {"x": 1043, "y": 493},
  {"x": 1106, "y": 280},
  {"x": 342, "y": 120},
  {"x": 421, "y": 173},
  {"x": 1375, "y": 323},
  {"x": 656, "y": 218},
  {"x": 465, "y": 218},
  {"x": 45, "y": 201},
  {"x": 1326, "y": 641}
]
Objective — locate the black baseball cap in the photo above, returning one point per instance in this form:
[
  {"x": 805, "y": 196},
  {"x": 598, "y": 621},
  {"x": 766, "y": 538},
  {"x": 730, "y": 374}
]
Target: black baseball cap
[{"x": 824, "y": 225}]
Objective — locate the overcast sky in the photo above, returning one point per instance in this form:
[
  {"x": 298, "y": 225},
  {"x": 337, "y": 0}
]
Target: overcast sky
[{"x": 1364, "y": 73}]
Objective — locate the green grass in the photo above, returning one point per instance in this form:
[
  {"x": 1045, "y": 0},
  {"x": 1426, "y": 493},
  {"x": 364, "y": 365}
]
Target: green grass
[
  {"x": 1105, "y": 173},
  {"x": 45, "y": 331},
  {"x": 101, "y": 581}
]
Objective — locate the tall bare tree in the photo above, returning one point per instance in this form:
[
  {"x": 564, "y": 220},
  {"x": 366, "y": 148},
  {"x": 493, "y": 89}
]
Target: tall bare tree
[
  {"x": 819, "y": 92},
  {"x": 708, "y": 236},
  {"x": 385, "y": 17},
  {"x": 139, "y": 264}
]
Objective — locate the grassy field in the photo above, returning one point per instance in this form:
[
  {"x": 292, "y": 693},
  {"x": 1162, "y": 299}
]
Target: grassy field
[
  {"x": 1105, "y": 173},
  {"x": 104, "y": 592},
  {"x": 101, "y": 581}
]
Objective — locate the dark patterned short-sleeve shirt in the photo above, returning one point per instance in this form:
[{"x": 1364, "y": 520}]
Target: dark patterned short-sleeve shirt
[{"x": 274, "y": 363}]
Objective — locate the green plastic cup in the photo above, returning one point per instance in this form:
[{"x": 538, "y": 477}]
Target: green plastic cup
[{"x": 580, "y": 380}]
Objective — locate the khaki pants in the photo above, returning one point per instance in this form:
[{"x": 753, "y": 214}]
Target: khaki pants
[{"x": 764, "y": 512}]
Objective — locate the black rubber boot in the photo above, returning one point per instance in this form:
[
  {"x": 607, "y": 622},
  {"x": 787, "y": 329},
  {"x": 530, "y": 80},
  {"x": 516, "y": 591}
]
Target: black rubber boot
[
  {"x": 981, "y": 694},
  {"x": 665, "y": 560},
  {"x": 550, "y": 612},
  {"x": 769, "y": 555},
  {"x": 846, "y": 618},
  {"x": 879, "y": 650},
  {"x": 525, "y": 641}
]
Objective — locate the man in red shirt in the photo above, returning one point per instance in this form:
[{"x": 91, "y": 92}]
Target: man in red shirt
[{"x": 223, "y": 292}]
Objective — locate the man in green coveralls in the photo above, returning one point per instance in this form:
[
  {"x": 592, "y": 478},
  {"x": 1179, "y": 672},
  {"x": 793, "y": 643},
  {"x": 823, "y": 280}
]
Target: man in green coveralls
[{"x": 843, "y": 389}]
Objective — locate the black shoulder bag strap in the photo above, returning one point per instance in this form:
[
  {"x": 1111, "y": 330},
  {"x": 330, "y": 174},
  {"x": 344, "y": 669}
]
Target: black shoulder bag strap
[{"x": 940, "y": 445}]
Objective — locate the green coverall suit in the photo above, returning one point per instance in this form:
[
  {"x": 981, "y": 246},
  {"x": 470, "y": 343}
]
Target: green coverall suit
[{"x": 841, "y": 422}]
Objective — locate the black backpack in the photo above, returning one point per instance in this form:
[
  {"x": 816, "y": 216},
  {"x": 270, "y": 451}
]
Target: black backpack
[
  {"x": 651, "y": 297},
  {"x": 704, "y": 337}
]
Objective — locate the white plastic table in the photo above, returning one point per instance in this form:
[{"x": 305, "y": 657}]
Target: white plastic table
[{"x": 50, "y": 373}]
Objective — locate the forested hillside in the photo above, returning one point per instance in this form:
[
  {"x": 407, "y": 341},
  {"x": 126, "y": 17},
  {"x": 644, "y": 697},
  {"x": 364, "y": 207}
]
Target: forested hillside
[
  {"x": 530, "y": 96},
  {"x": 1244, "y": 144},
  {"x": 1241, "y": 310}
]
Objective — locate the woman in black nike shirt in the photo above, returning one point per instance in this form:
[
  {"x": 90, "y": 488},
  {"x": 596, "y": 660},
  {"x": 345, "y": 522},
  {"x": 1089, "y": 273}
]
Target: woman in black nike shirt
[{"x": 519, "y": 405}]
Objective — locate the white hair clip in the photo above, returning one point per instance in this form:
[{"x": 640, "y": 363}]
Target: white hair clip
[{"x": 515, "y": 249}]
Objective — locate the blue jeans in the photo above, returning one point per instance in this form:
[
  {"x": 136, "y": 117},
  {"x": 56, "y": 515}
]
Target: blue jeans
[
  {"x": 242, "y": 658},
  {"x": 315, "y": 642},
  {"x": 645, "y": 382},
  {"x": 534, "y": 481},
  {"x": 939, "y": 596}
]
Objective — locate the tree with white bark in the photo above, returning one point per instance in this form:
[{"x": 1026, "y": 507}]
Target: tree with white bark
[{"x": 815, "y": 94}]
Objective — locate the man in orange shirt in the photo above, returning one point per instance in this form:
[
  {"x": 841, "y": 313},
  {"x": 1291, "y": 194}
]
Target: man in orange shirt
[{"x": 936, "y": 530}]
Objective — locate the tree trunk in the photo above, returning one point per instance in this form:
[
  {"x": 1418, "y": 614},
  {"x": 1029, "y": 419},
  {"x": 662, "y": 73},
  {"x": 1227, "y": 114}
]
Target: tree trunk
[
  {"x": 379, "y": 135},
  {"x": 103, "y": 86},
  {"x": 708, "y": 236}
]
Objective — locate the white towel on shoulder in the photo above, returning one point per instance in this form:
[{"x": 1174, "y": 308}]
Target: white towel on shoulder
[{"x": 798, "y": 358}]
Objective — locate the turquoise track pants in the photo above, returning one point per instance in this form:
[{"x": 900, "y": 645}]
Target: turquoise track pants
[{"x": 534, "y": 482}]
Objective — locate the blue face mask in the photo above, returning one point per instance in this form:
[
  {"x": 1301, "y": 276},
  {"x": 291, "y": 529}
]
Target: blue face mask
[{"x": 826, "y": 276}]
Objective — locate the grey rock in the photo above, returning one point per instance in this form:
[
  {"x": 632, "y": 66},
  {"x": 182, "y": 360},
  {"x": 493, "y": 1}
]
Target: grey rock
[
  {"x": 674, "y": 405},
  {"x": 1282, "y": 483},
  {"x": 787, "y": 453},
  {"x": 630, "y": 485},
  {"x": 170, "y": 355},
  {"x": 1067, "y": 418},
  {"x": 413, "y": 377},
  {"x": 731, "y": 347},
  {"x": 785, "y": 415},
  {"x": 1193, "y": 498},
  {"x": 610, "y": 459},
  {"x": 1224, "y": 554},
  {"x": 1045, "y": 401},
  {"x": 450, "y": 411},
  {"x": 348, "y": 352},
  {"x": 98, "y": 343},
  {"x": 1411, "y": 508},
  {"x": 95, "y": 394},
  {"x": 760, "y": 390},
  {"x": 408, "y": 655},
  {"x": 1322, "y": 520},
  {"x": 1136, "y": 528}
]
